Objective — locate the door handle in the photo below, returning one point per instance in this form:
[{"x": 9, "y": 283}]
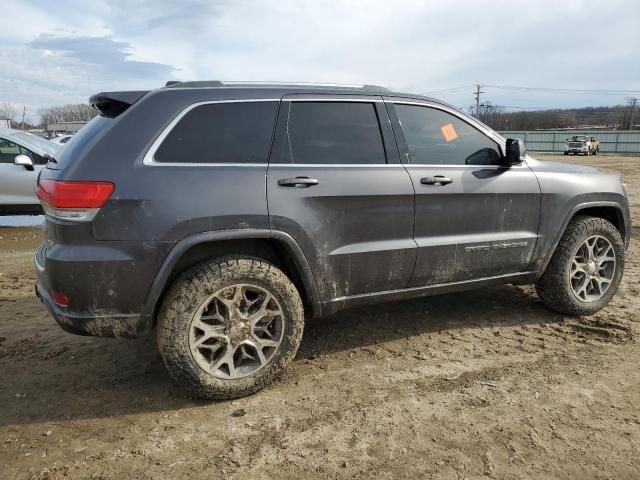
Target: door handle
[
  {"x": 439, "y": 180},
  {"x": 298, "y": 182}
]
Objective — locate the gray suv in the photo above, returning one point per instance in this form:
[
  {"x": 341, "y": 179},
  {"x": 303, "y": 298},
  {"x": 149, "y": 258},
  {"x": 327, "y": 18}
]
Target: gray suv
[{"x": 224, "y": 214}]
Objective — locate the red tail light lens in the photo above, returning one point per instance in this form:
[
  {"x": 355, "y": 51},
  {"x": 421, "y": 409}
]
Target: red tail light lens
[
  {"x": 74, "y": 194},
  {"x": 77, "y": 201},
  {"x": 60, "y": 298}
]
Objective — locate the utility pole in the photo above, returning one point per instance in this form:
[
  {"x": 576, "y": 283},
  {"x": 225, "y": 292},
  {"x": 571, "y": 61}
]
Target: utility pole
[
  {"x": 24, "y": 112},
  {"x": 478, "y": 92},
  {"x": 633, "y": 110}
]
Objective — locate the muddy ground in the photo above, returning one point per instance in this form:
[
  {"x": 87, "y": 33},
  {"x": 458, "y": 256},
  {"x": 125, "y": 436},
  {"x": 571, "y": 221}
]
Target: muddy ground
[{"x": 483, "y": 384}]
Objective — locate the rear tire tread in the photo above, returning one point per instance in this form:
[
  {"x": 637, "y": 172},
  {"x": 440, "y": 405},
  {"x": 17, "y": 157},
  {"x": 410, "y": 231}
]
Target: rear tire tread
[{"x": 186, "y": 294}]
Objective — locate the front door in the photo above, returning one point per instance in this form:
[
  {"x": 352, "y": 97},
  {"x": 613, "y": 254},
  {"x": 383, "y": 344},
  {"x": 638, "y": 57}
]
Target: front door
[
  {"x": 475, "y": 218},
  {"x": 17, "y": 184},
  {"x": 336, "y": 185}
]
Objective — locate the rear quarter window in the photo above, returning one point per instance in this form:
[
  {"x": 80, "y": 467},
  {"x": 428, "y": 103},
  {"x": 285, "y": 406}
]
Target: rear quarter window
[
  {"x": 235, "y": 132},
  {"x": 86, "y": 134}
]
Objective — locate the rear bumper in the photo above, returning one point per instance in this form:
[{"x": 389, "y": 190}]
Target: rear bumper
[
  {"x": 86, "y": 321},
  {"x": 22, "y": 209},
  {"x": 127, "y": 326}
]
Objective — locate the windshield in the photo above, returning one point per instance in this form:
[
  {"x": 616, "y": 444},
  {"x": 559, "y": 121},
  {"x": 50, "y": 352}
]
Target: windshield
[
  {"x": 37, "y": 144},
  {"x": 580, "y": 138}
]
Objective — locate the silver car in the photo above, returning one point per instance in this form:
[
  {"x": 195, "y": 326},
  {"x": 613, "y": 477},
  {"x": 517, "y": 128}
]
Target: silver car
[{"x": 22, "y": 156}]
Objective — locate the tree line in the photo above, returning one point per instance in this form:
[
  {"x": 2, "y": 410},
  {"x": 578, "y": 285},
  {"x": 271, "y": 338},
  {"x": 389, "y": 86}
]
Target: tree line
[
  {"x": 618, "y": 117},
  {"x": 76, "y": 112}
]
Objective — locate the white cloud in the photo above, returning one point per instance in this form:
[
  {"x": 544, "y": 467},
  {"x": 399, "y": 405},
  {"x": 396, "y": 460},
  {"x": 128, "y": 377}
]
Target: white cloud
[{"x": 63, "y": 54}]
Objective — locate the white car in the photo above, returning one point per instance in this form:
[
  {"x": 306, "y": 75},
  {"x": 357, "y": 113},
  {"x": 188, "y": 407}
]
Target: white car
[
  {"x": 22, "y": 156},
  {"x": 62, "y": 139}
]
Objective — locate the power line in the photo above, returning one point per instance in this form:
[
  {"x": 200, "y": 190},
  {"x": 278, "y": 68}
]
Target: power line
[
  {"x": 450, "y": 90},
  {"x": 592, "y": 91}
]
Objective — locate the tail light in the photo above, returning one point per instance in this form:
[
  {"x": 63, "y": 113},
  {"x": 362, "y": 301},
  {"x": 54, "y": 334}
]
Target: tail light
[
  {"x": 60, "y": 299},
  {"x": 76, "y": 201}
]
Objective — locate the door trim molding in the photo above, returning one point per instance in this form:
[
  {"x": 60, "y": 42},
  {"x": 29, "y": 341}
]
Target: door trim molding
[{"x": 339, "y": 303}]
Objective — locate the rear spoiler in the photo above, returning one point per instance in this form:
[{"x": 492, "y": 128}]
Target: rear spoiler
[{"x": 112, "y": 104}]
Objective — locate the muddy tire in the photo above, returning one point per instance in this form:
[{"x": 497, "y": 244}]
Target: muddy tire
[
  {"x": 586, "y": 268},
  {"x": 228, "y": 327}
]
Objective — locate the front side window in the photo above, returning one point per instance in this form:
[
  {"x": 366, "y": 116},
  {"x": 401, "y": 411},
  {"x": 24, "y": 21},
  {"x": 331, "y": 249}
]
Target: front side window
[
  {"x": 333, "y": 133},
  {"x": 235, "y": 132},
  {"x": 10, "y": 150},
  {"x": 435, "y": 137}
]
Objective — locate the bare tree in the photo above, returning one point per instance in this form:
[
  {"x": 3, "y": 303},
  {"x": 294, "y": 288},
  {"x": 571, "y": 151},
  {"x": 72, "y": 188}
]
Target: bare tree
[
  {"x": 78, "y": 112},
  {"x": 7, "y": 110}
]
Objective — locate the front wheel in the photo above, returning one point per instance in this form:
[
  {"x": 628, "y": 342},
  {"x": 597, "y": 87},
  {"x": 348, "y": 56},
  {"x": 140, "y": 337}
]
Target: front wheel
[
  {"x": 586, "y": 268},
  {"x": 228, "y": 327}
]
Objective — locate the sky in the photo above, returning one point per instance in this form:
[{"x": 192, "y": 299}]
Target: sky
[{"x": 54, "y": 53}]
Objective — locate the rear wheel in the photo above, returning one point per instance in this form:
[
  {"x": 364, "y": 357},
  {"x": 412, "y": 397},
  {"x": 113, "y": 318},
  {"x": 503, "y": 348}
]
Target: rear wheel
[
  {"x": 229, "y": 327},
  {"x": 586, "y": 268}
]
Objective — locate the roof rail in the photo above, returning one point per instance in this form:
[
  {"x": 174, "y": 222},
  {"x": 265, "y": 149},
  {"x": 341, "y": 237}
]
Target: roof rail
[{"x": 218, "y": 83}]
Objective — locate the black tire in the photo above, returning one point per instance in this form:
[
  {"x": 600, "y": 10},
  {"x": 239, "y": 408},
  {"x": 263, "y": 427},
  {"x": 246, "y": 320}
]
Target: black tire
[
  {"x": 554, "y": 286},
  {"x": 566, "y": 153},
  {"x": 186, "y": 296}
]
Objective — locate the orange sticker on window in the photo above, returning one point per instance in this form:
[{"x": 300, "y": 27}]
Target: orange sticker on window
[{"x": 448, "y": 132}]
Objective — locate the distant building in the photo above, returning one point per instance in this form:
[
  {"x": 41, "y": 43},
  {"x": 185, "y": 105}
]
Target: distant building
[
  {"x": 63, "y": 127},
  {"x": 5, "y": 122}
]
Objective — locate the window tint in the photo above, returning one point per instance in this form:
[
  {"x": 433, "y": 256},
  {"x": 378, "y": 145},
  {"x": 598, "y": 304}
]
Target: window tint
[
  {"x": 333, "y": 132},
  {"x": 436, "y": 137},
  {"x": 221, "y": 133},
  {"x": 97, "y": 126},
  {"x": 10, "y": 150}
]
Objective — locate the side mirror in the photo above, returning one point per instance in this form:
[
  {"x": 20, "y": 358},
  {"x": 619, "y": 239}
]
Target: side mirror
[
  {"x": 516, "y": 151},
  {"x": 25, "y": 161}
]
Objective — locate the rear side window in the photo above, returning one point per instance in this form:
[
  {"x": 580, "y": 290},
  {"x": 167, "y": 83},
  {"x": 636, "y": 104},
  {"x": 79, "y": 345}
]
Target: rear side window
[
  {"x": 435, "y": 137},
  {"x": 333, "y": 133},
  {"x": 85, "y": 135},
  {"x": 235, "y": 132}
]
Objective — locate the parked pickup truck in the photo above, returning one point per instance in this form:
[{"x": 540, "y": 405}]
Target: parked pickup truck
[
  {"x": 224, "y": 215},
  {"x": 582, "y": 144}
]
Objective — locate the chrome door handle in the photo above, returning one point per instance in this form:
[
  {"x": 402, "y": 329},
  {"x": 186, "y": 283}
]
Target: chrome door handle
[
  {"x": 438, "y": 180},
  {"x": 298, "y": 182}
]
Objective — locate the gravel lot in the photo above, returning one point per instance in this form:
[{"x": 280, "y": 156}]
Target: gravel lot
[{"x": 482, "y": 384}]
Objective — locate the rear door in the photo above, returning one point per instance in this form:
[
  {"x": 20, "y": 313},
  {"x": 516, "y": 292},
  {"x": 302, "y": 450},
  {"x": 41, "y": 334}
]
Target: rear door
[
  {"x": 475, "y": 218},
  {"x": 336, "y": 185}
]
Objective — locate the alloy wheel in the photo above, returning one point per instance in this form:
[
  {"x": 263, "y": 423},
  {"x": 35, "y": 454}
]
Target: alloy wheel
[
  {"x": 236, "y": 331},
  {"x": 592, "y": 268}
]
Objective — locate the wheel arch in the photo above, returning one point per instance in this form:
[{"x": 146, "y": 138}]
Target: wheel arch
[
  {"x": 607, "y": 210},
  {"x": 275, "y": 247}
]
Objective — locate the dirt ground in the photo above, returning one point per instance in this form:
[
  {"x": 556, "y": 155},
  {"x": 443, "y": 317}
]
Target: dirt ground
[{"x": 483, "y": 384}]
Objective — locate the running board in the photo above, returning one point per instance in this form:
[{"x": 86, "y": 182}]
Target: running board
[{"x": 332, "y": 306}]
